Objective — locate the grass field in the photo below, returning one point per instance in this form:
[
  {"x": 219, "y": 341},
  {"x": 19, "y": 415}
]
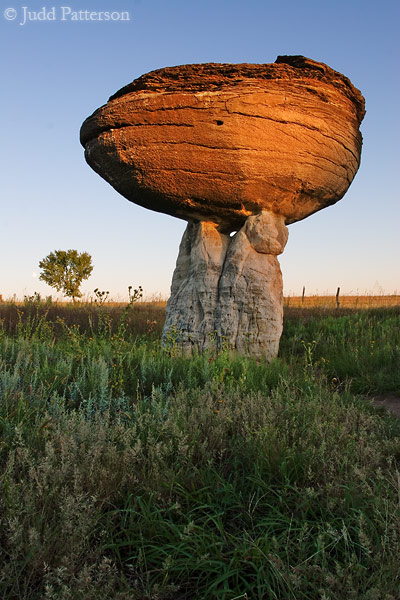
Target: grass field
[
  {"x": 322, "y": 302},
  {"x": 130, "y": 472}
]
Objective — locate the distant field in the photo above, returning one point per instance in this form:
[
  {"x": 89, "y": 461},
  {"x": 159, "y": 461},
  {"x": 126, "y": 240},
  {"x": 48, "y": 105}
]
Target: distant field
[
  {"x": 312, "y": 301},
  {"x": 362, "y": 301},
  {"x": 345, "y": 301}
]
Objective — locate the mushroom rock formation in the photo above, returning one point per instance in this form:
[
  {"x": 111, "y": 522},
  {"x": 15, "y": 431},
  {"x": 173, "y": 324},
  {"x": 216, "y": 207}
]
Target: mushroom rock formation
[{"x": 248, "y": 148}]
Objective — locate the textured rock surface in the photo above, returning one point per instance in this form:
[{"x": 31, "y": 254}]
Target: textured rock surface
[
  {"x": 190, "y": 318},
  {"x": 249, "y": 314},
  {"x": 221, "y": 142},
  {"x": 227, "y": 292},
  {"x": 230, "y": 147}
]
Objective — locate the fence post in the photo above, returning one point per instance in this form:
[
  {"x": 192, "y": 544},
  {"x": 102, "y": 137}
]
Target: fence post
[
  {"x": 337, "y": 298},
  {"x": 304, "y": 291}
]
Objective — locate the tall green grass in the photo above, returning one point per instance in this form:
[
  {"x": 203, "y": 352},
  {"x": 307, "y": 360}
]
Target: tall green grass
[
  {"x": 128, "y": 471},
  {"x": 357, "y": 348}
]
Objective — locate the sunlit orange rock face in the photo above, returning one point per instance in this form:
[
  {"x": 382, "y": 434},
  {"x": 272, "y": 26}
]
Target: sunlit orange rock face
[
  {"x": 243, "y": 147},
  {"x": 221, "y": 142}
]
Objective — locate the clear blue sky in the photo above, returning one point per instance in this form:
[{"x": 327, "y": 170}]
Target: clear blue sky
[{"x": 54, "y": 73}]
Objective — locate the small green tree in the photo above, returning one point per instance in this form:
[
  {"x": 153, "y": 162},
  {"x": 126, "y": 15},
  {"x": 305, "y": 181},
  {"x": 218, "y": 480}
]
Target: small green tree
[{"x": 65, "y": 270}]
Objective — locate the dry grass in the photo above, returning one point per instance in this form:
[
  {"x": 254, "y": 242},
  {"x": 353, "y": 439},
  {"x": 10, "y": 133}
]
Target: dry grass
[
  {"x": 345, "y": 301},
  {"x": 313, "y": 301}
]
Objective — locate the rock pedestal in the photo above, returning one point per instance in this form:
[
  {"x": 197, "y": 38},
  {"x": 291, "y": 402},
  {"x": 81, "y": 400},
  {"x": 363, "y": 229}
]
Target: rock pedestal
[
  {"x": 248, "y": 148},
  {"x": 227, "y": 291}
]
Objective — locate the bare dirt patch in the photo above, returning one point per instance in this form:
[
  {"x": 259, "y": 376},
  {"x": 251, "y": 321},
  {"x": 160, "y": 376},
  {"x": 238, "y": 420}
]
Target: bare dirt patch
[{"x": 389, "y": 401}]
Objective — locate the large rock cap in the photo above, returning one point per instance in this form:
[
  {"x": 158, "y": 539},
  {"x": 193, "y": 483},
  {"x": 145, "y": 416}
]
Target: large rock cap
[{"x": 221, "y": 142}]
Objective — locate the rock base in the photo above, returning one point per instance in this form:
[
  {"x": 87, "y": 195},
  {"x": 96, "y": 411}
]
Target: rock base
[{"x": 226, "y": 291}]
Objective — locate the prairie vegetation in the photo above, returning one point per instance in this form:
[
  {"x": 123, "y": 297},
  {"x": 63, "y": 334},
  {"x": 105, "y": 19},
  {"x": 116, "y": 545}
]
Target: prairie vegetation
[{"x": 128, "y": 471}]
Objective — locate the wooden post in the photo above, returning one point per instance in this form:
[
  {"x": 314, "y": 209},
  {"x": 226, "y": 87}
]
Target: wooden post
[
  {"x": 304, "y": 291},
  {"x": 337, "y": 298}
]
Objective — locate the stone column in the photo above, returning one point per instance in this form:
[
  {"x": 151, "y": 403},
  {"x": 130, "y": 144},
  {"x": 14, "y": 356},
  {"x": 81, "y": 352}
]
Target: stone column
[
  {"x": 227, "y": 292},
  {"x": 190, "y": 317},
  {"x": 250, "y": 307}
]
